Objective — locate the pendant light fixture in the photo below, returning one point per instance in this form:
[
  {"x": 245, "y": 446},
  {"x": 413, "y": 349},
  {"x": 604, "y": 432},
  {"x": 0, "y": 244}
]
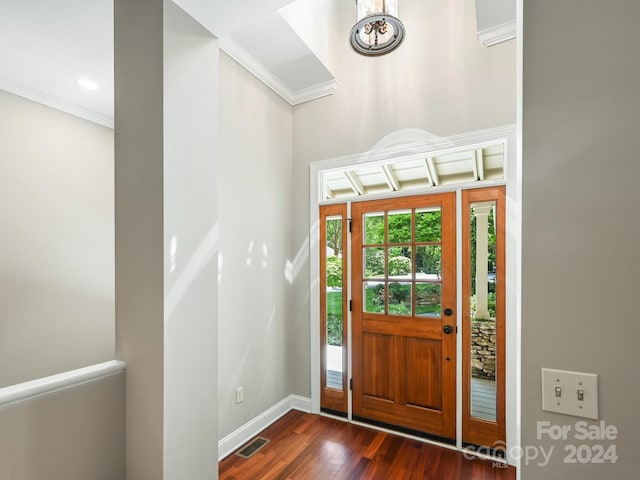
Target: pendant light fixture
[{"x": 378, "y": 29}]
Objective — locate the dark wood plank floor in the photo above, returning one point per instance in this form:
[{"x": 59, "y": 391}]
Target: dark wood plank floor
[{"x": 313, "y": 447}]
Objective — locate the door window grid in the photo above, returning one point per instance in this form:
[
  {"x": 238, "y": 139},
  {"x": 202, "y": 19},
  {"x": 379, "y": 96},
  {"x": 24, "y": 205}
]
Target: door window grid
[{"x": 401, "y": 257}]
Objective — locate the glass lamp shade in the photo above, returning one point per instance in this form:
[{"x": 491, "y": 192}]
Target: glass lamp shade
[{"x": 378, "y": 29}]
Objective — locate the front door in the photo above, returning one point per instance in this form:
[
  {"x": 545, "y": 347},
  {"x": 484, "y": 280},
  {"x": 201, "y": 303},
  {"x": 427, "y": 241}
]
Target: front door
[{"x": 403, "y": 318}]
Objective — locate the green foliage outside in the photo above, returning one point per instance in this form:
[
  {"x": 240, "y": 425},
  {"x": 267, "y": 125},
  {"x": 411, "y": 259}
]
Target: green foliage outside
[
  {"x": 427, "y": 301},
  {"x": 428, "y": 310},
  {"x": 334, "y": 318},
  {"x": 399, "y": 265},
  {"x": 334, "y": 271},
  {"x": 428, "y": 227},
  {"x": 400, "y": 298},
  {"x": 374, "y": 229},
  {"x": 374, "y": 262},
  {"x": 491, "y": 266},
  {"x": 374, "y": 298},
  {"x": 491, "y": 306},
  {"x": 491, "y": 253},
  {"x": 429, "y": 259},
  {"x": 334, "y": 235}
]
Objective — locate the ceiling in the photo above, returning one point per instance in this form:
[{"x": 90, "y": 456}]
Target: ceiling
[{"x": 46, "y": 47}]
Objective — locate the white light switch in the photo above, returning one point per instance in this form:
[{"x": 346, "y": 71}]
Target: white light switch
[{"x": 571, "y": 393}]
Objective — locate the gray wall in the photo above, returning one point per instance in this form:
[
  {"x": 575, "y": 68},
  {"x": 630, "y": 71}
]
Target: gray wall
[
  {"x": 441, "y": 82},
  {"x": 139, "y": 242},
  {"x": 56, "y": 260},
  {"x": 166, "y": 91},
  {"x": 581, "y": 236},
  {"x": 76, "y": 434},
  {"x": 255, "y": 205}
]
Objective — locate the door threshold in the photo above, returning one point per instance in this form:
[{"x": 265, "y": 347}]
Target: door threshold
[
  {"x": 333, "y": 413},
  {"x": 467, "y": 448},
  {"x": 408, "y": 431},
  {"x": 422, "y": 439}
]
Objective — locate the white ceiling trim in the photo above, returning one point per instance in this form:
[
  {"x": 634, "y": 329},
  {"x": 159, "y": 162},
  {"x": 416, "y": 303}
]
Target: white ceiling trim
[
  {"x": 433, "y": 173},
  {"x": 314, "y": 92},
  {"x": 53, "y": 102},
  {"x": 498, "y": 33},
  {"x": 255, "y": 67},
  {"x": 258, "y": 70},
  {"x": 422, "y": 149}
]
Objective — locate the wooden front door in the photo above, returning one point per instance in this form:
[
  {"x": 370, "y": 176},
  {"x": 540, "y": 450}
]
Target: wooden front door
[{"x": 403, "y": 313}]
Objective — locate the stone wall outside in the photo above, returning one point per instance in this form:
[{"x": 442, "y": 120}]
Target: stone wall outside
[{"x": 483, "y": 349}]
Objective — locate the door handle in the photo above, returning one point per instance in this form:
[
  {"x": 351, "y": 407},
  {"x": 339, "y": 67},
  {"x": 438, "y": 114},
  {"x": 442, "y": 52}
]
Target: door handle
[
  {"x": 448, "y": 312},
  {"x": 448, "y": 329}
]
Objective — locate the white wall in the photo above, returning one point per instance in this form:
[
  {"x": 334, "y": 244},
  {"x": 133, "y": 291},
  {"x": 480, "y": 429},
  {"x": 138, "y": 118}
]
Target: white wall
[
  {"x": 56, "y": 260},
  {"x": 255, "y": 205},
  {"x": 166, "y": 93},
  {"x": 190, "y": 247},
  {"x": 581, "y": 237},
  {"x": 441, "y": 81}
]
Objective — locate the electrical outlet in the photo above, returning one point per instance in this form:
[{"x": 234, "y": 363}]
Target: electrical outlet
[
  {"x": 239, "y": 394},
  {"x": 571, "y": 393}
]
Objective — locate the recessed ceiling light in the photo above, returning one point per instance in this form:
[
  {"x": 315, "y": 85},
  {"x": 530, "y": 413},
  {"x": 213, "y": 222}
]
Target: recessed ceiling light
[{"x": 87, "y": 84}]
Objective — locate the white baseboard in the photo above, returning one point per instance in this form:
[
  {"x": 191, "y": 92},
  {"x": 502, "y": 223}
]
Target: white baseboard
[{"x": 242, "y": 435}]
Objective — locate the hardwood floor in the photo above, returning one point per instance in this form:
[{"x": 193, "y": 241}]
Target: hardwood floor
[{"x": 313, "y": 447}]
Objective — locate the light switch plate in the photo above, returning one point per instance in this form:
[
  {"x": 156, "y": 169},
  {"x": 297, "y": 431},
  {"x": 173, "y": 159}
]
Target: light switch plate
[{"x": 561, "y": 391}]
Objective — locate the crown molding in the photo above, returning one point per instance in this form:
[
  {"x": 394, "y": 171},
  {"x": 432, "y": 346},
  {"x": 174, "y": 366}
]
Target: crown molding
[
  {"x": 498, "y": 33},
  {"x": 53, "y": 102},
  {"x": 314, "y": 92},
  {"x": 258, "y": 70}
]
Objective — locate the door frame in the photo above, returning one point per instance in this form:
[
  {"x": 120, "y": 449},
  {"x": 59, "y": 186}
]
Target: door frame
[{"x": 434, "y": 147}]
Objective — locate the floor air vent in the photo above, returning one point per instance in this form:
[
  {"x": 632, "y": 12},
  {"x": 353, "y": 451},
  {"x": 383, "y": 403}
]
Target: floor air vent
[{"x": 252, "y": 447}]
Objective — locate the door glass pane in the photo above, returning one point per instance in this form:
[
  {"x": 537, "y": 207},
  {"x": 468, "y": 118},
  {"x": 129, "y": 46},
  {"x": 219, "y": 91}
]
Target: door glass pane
[
  {"x": 483, "y": 311},
  {"x": 399, "y": 263},
  {"x": 373, "y": 262},
  {"x": 428, "y": 299},
  {"x": 374, "y": 297},
  {"x": 399, "y": 298},
  {"x": 428, "y": 262},
  {"x": 334, "y": 320},
  {"x": 428, "y": 224},
  {"x": 373, "y": 225},
  {"x": 400, "y": 227}
]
